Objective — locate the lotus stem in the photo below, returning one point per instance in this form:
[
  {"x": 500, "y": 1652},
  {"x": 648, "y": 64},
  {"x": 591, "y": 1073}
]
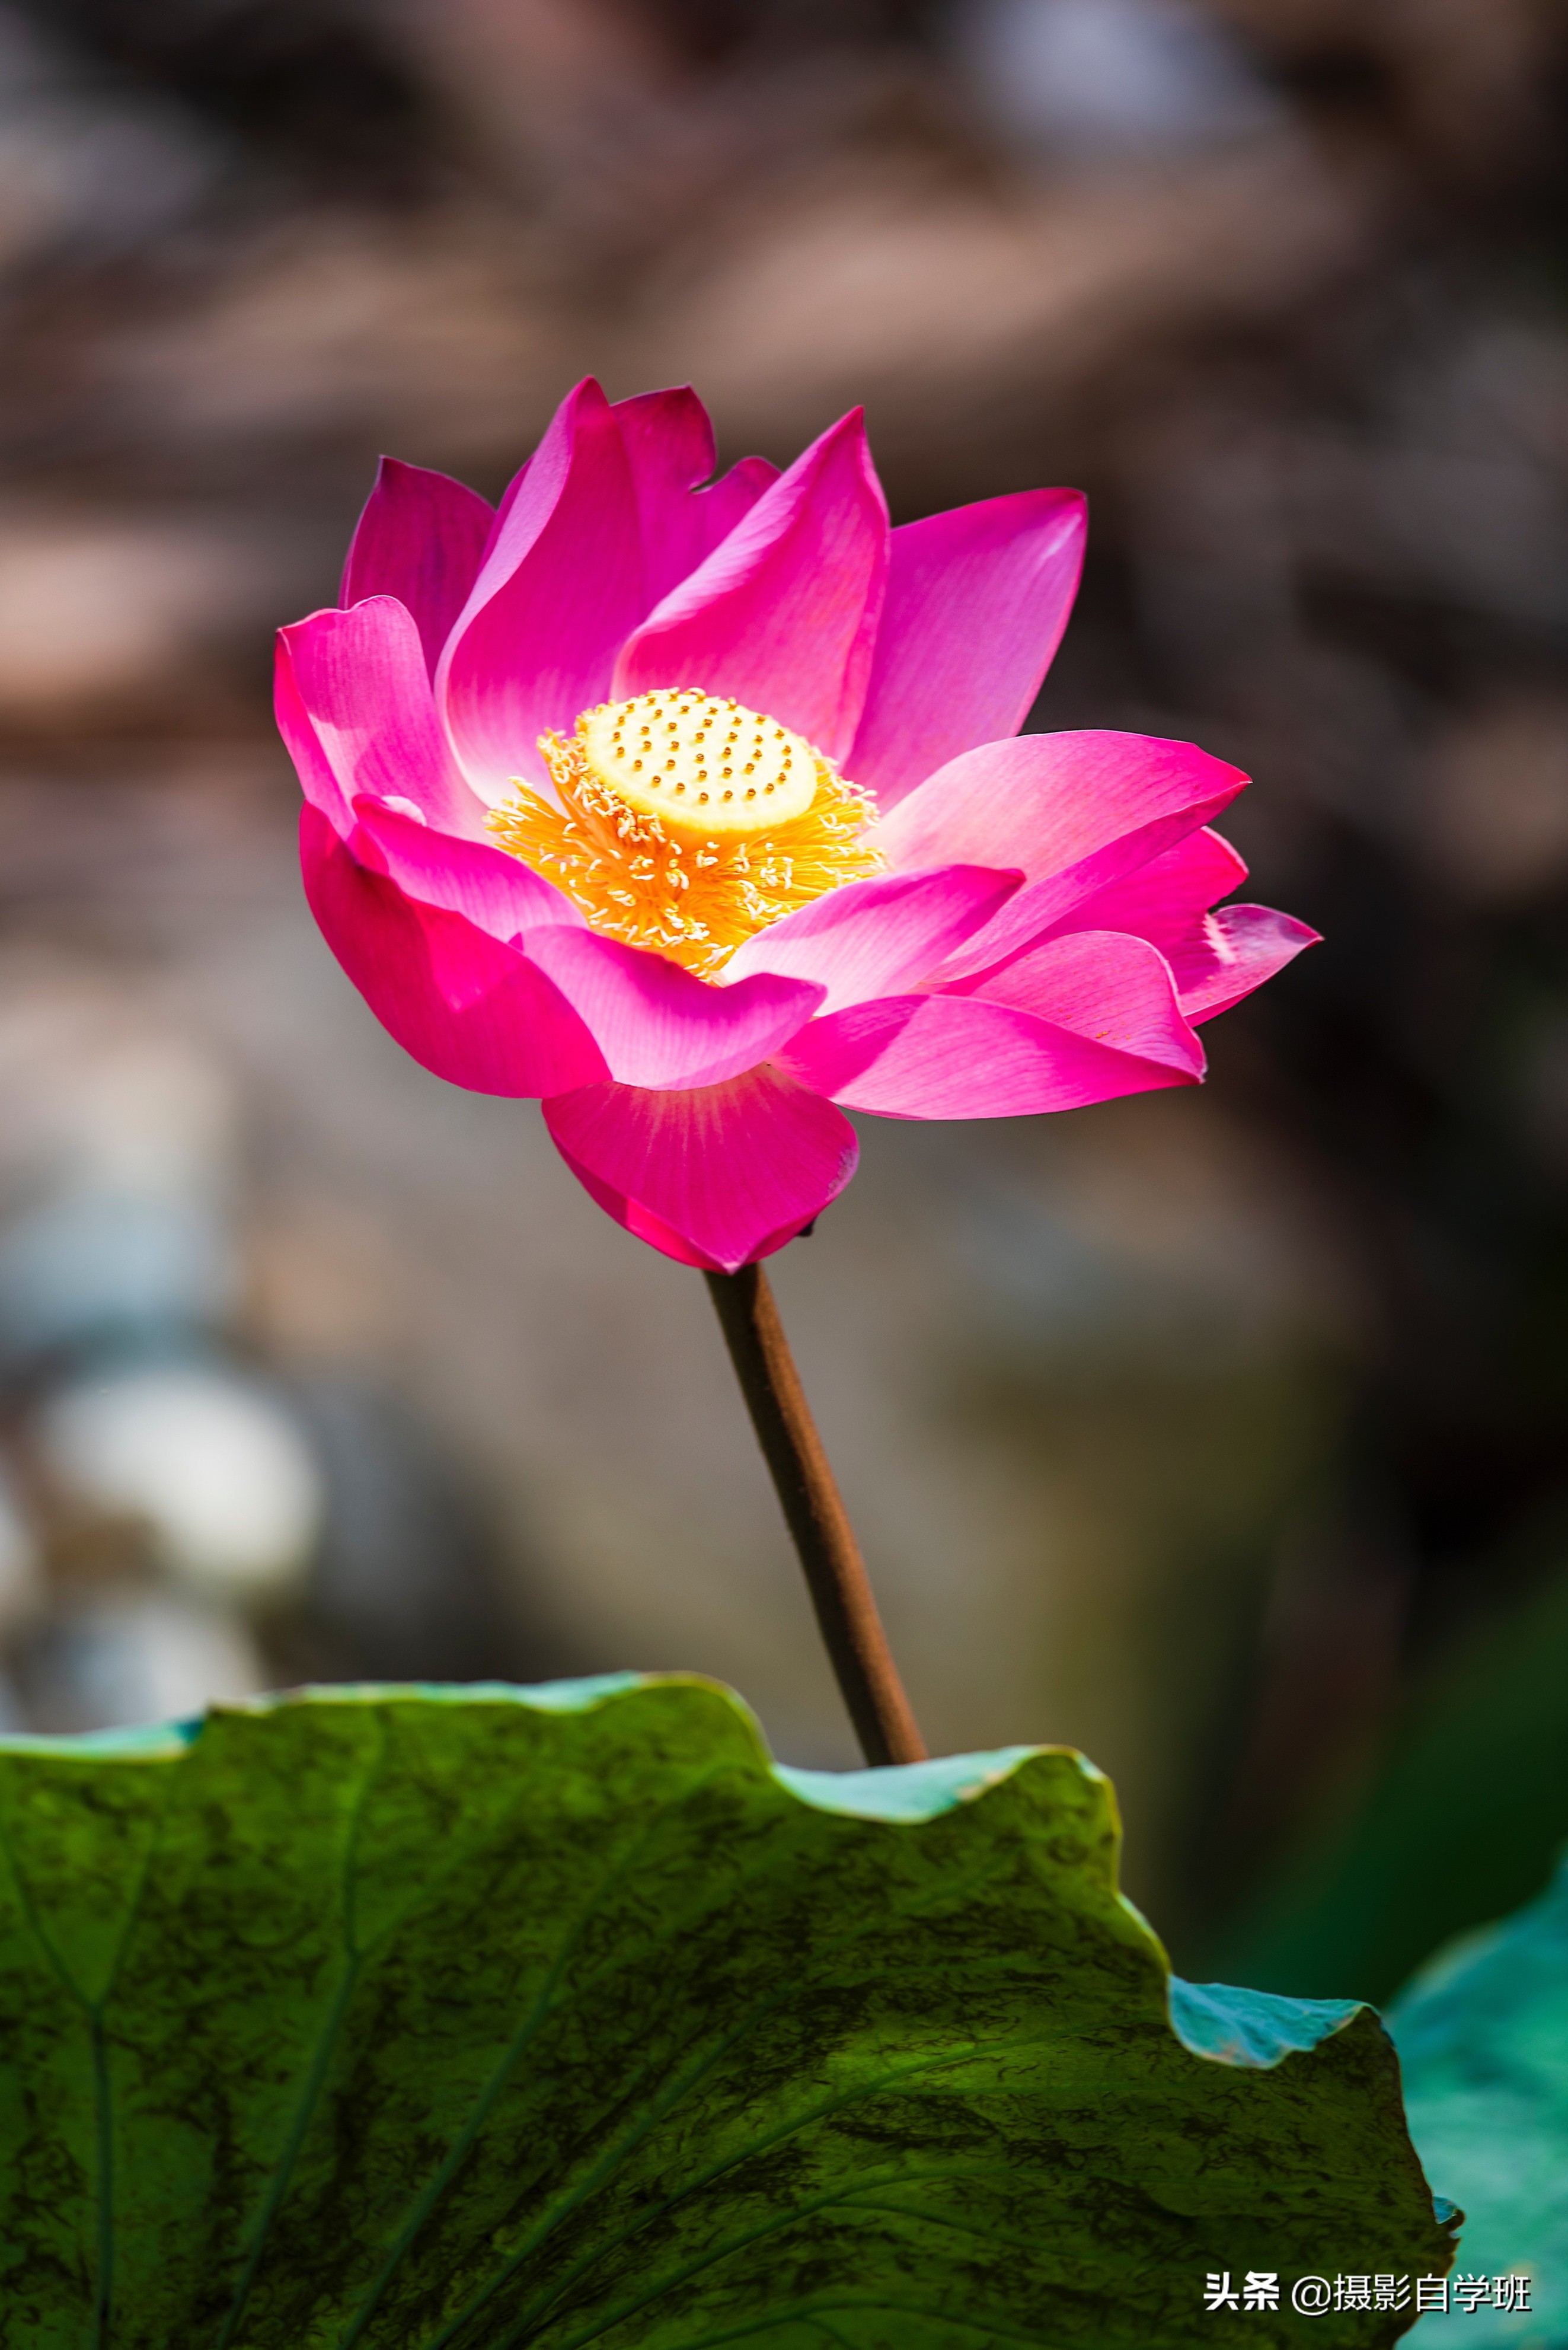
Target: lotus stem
[{"x": 818, "y": 1520}]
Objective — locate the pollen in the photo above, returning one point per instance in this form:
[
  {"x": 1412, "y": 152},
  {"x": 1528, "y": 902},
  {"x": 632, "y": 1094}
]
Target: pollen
[{"x": 653, "y": 857}]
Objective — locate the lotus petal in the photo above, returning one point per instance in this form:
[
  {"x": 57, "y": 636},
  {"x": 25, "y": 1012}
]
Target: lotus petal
[
  {"x": 977, "y": 602},
  {"x": 421, "y": 538},
  {"x": 717, "y": 1177}
]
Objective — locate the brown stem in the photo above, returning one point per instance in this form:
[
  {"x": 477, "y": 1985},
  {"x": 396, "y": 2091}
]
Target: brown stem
[{"x": 818, "y": 1522}]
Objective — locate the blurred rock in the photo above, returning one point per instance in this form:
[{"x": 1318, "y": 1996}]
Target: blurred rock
[
  {"x": 108, "y": 1267},
  {"x": 115, "y": 1163},
  {"x": 410, "y": 1581},
  {"x": 21, "y": 1570},
  {"x": 1109, "y": 79},
  {"x": 111, "y": 1662},
  {"x": 210, "y": 1467}
]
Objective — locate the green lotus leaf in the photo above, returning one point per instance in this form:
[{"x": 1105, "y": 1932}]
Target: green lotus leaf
[
  {"x": 477, "y": 2018},
  {"x": 1482, "y": 2034}
]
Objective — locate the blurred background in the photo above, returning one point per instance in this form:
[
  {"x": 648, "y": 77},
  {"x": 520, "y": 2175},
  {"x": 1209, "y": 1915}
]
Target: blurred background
[{"x": 1219, "y": 1433}]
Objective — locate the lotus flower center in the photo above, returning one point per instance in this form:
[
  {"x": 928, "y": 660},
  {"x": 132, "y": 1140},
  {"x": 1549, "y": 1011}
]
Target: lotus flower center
[
  {"x": 700, "y": 765},
  {"x": 687, "y": 822}
]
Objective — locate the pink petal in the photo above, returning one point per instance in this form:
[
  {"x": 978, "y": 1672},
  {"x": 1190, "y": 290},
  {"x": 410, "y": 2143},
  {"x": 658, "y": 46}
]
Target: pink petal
[
  {"x": 873, "y": 938},
  {"x": 496, "y": 892},
  {"x": 1239, "y": 947},
  {"x": 560, "y": 587},
  {"x": 354, "y": 706},
  {"x": 1085, "y": 807},
  {"x": 1076, "y": 811},
  {"x": 963, "y": 1057},
  {"x": 784, "y": 613},
  {"x": 1216, "y": 958},
  {"x": 1161, "y": 901},
  {"x": 318, "y": 779},
  {"x": 657, "y": 1024},
  {"x": 468, "y": 1007},
  {"x": 1105, "y": 986},
  {"x": 669, "y": 447},
  {"x": 420, "y": 539},
  {"x": 718, "y": 1176},
  {"x": 977, "y": 601}
]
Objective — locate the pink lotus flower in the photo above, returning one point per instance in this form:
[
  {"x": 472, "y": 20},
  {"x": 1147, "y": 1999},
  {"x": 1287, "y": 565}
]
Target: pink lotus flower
[{"x": 701, "y": 813}]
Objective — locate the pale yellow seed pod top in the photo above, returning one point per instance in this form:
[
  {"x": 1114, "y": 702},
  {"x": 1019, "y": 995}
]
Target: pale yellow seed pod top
[{"x": 707, "y": 768}]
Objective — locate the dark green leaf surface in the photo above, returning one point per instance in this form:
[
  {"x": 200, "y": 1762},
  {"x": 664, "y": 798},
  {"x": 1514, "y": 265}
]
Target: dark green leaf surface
[
  {"x": 1482, "y": 2034},
  {"x": 463, "y": 2020}
]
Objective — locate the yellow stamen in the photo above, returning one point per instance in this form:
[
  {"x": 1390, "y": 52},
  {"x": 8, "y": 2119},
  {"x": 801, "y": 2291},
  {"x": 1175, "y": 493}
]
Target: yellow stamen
[{"x": 663, "y": 856}]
